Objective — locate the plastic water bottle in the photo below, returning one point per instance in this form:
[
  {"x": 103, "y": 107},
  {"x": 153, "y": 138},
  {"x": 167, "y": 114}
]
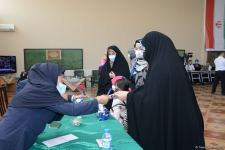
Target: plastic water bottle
[
  {"x": 106, "y": 140},
  {"x": 100, "y": 112}
]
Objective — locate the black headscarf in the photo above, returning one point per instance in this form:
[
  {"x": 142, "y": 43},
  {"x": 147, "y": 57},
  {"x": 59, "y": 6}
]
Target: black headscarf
[
  {"x": 120, "y": 67},
  {"x": 23, "y": 76},
  {"x": 40, "y": 91},
  {"x": 164, "y": 114}
]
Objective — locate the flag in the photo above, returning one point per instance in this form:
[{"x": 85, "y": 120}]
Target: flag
[{"x": 214, "y": 25}]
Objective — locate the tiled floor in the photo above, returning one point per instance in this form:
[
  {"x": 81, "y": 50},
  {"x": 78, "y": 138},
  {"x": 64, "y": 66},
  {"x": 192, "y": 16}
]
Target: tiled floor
[{"x": 213, "y": 110}]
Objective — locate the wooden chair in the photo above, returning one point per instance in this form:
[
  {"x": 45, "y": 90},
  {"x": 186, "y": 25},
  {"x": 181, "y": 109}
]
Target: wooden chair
[{"x": 3, "y": 100}]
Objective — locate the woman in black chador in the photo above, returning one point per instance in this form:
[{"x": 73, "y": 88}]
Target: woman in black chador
[
  {"x": 115, "y": 65},
  {"x": 164, "y": 114}
]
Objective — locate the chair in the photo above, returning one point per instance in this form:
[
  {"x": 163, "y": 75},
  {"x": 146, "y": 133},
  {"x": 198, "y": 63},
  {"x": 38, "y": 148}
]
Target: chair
[
  {"x": 205, "y": 76},
  {"x": 195, "y": 77},
  {"x": 3, "y": 100},
  {"x": 212, "y": 75},
  {"x": 94, "y": 78},
  {"x": 79, "y": 73},
  {"x": 68, "y": 74}
]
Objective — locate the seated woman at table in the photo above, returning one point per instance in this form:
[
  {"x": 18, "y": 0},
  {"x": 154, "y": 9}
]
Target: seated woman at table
[
  {"x": 41, "y": 101},
  {"x": 72, "y": 98}
]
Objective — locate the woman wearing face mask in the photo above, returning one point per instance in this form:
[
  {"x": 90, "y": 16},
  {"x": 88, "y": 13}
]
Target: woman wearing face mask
[
  {"x": 140, "y": 67},
  {"x": 41, "y": 101},
  {"x": 115, "y": 65},
  {"x": 163, "y": 114}
]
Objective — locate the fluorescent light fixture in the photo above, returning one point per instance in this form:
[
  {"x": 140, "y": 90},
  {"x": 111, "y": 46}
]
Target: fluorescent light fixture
[{"x": 7, "y": 27}]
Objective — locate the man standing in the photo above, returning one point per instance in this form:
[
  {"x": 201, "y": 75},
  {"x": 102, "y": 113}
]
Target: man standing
[{"x": 220, "y": 73}]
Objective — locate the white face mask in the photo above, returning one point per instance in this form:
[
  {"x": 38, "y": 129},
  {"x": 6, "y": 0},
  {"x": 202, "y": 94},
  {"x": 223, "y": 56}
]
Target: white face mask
[
  {"x": 114, "y": 88},
  {"x": 137, "y": 45},
  {"x": 112, "y": 58},
  {"x": 61, "y": 88},
  {"x": 139, "y": 54}
]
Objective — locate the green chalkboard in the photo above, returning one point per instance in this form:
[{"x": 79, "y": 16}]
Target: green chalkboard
[{"x": 70, "y": 59}]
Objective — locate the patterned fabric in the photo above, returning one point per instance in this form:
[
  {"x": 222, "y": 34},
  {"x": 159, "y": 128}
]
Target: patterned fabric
[
  {"x": 138, "y": 74},
  {"x": 119, "y": 112}
]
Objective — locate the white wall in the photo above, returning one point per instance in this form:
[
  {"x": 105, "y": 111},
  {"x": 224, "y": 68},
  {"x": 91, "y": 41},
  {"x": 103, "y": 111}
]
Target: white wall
[{"x": 96, "y": 24}]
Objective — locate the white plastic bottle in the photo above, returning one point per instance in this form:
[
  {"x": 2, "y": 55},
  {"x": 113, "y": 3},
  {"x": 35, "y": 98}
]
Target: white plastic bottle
[
  {"x": 106, "y": 140},
  {"x": 100, "y": 112}
]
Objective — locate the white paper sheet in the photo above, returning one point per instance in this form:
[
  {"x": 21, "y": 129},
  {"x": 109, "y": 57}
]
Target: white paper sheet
[
  {"x": 60, "y": 140},
  {"x": 99, "y": 142}
]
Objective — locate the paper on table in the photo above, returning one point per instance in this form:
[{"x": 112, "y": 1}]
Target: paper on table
[
  {"x": 73, "y": 86},
  {"x": 99, "y": 142},
  {"x": 60, "y": 140}
]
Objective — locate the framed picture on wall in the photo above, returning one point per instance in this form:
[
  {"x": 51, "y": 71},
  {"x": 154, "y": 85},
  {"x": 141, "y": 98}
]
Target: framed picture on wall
[{"x": 53, "y": 54}]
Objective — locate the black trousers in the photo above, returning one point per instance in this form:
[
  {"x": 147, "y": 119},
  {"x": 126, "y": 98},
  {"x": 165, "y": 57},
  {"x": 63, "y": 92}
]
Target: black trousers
[{"x": 219, "y": 76}]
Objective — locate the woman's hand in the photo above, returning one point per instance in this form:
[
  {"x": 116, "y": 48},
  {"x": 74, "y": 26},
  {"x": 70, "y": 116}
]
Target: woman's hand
[
  {"x": 112, "y": 74},
  {"x": 122, "y": 95},
  {"x": 103, "y": 99},
  {"x": 65, "y": 96},
  {"x": 79, "y": 96}
]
